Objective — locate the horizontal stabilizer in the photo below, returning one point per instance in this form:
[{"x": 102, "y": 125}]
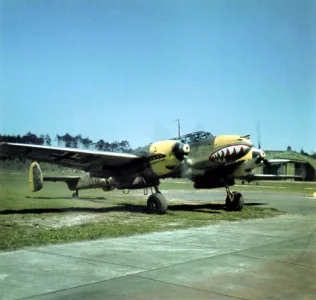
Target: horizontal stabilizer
[
  {"x": 61, "y": 178},
  {"x": 71, "y": 181}
]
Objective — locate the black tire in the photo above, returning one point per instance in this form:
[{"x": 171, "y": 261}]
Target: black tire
[
  {"x": 157, "y": 204},
  {"x": 238, "y": 202}
]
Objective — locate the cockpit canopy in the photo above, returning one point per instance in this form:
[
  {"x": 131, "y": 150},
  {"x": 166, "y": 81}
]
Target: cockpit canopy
[{"x": 193, "y": 137}]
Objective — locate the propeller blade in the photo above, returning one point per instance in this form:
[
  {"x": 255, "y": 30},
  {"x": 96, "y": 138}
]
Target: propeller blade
[
  {"x": 185, "y": 166},
  {"x": 267, "y": 163},
  {"x": 259, "y": 135}
]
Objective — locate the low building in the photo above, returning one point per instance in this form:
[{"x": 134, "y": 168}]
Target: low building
[{"x": 289, "y": 163}]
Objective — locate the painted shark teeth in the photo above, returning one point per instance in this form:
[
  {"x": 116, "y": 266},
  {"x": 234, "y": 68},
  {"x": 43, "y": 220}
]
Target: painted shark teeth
[{"x": 230, "y": 153}]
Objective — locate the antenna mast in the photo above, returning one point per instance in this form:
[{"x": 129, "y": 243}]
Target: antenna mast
[{"x": 179, "y": 133}]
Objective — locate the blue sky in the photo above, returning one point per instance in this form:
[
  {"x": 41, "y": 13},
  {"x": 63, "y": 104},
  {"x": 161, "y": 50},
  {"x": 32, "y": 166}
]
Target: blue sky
[{"x": 127, "y": 69}]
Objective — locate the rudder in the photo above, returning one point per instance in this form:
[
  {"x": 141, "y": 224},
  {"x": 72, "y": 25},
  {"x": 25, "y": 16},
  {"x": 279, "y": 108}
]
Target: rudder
[{"x": 35, "y": 177}]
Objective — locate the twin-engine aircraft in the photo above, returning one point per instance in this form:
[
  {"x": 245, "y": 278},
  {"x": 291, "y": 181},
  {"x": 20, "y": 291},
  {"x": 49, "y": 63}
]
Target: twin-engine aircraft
[{"x": 209, "y": 161}]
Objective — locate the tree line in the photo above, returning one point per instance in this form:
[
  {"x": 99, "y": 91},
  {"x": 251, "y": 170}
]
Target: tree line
[
  {"x": 67, "y": 140},
  {"x": 313, "y": 155},
  {"x": 78, "y": 141}
]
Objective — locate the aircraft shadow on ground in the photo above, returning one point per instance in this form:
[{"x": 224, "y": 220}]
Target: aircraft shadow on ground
[
  {"x": 67, "y": 198},
  {"x": 125, "y": 207},
  {"x": 214, "y": 208},
  {"x": 118, "y": 208},
  {"x": 255, "y": 204},
  {"x": 122, "y": 207}
]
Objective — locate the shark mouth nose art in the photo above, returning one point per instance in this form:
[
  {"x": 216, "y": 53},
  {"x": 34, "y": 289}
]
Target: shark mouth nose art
[{"x": 230, "y": 153}]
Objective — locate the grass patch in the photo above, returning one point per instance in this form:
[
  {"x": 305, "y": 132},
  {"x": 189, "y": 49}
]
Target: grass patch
[
  {"x": 50, "y": 216},
  {"x": 34, "y": 231}
]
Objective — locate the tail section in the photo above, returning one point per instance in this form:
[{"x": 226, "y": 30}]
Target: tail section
[
  {"x": 35, "y": 177},
  {"x": 72, "y": 181}
]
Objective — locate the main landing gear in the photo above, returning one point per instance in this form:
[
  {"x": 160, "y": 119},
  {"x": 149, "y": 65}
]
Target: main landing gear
[
  {"x": 157, "y": 203},
  {"x": 234, "y": 200}
]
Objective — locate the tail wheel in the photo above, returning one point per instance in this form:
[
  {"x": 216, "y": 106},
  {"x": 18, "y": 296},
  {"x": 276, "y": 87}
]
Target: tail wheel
[{"x": 157, "y": 204}]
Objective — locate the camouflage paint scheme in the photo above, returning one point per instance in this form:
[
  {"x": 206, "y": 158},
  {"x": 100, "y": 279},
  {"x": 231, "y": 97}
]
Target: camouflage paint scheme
[
  {"x": 203, "y": 155},
  {"x": 209, "y": 161}
]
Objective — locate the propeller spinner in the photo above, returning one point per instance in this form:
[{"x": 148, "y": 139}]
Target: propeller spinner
[{"x": 261, "y": 157}]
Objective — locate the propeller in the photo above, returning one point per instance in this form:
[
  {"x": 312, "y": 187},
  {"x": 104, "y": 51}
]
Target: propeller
[
  {"x": 262, "y": 158},
  {"x": 186, "y": 164},
  {"x": 258, "y": 135},
  {"x": 267, "y": 163},
  {"x": 181, "y": 151},
  {"x": 262, "y": 154}
]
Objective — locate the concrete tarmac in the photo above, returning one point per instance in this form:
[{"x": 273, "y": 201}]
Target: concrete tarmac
[{"x": 262, "y": 259}]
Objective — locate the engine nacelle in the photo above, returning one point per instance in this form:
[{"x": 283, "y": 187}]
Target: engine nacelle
[
  {"x": 109, "y": 184},
  {"x": 137, "y": 183},
  {"x": 253, "y": 159},
  {"x": 86, "y": 182},
  {"x": 167, "y": 156}
]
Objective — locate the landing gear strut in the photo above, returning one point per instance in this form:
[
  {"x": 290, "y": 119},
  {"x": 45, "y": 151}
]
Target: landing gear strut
[
  {"x": 157, "y": 203},
  {"x": 75, "y": 195},
  {"x": 234, "y": 200}
]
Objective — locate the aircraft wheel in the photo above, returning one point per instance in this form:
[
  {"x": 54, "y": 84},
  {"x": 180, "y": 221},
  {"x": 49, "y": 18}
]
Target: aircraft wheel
[
  {"x": 235, "y": 203},
  {"x": 74, "y": 196},
  {"x": 157, "y": 204}
]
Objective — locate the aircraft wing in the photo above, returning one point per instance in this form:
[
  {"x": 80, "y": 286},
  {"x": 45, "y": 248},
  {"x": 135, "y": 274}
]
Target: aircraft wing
[
  {"x": 278, "y": 160},
  {"x": 251, "y": 177},
  {"x": 85, "y": 160}
]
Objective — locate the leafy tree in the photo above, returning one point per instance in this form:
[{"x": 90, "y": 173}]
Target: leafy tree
[
  {"x": 107, "y": 146},
  {"x": 114, "y": 147},
  {"x": 67, "y": 140},
  {"x": 304, "y": 153},
  {"x": 77, "y": 141},
  {"x": 48, "y": 140},
  {"x": 86, "y": 142},
  {"x": 41, "y": 139},
  {"x": 124, "y": 147},
  {"x": 59, "y": 140},
  {"x": 100, "y": 145},
  {"x": 31, "y": 138}
]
